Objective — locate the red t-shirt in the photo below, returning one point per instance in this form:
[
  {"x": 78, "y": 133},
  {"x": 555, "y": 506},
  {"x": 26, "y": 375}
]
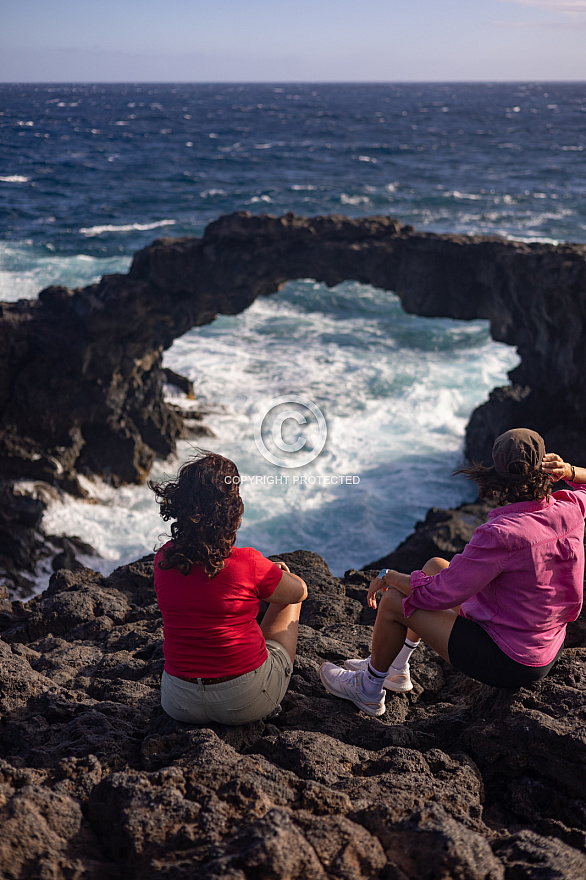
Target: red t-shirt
[{"x": 210, "y": 627}]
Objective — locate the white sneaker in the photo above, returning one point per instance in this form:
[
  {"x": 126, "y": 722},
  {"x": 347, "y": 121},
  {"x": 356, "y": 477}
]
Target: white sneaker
[
  {"x": 356, "y": 664},
  {"x": 347, "y": 684},
  {"x": 398, "y": 680}
]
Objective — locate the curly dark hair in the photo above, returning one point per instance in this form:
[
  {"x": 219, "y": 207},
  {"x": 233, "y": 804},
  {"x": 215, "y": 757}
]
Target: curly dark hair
[
  {"x": 522, "y": 484},
  {"x": 206, "y": 504}
]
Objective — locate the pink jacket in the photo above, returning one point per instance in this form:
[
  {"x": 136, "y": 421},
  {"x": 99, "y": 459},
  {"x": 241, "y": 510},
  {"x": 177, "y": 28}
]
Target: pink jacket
[{"x": 521, "y": 577}]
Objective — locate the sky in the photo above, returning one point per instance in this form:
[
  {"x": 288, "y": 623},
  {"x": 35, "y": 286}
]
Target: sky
[{"x": 291, "y": 40}]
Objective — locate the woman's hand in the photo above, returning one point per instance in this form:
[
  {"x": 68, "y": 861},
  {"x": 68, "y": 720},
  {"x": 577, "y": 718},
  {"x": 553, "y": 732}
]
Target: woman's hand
[
  {"x": 283, "y": 566},
  {"x": 375, "y": 585},
  {"x": 396, "y": 579},
  {"x": 555, "y": 467}
]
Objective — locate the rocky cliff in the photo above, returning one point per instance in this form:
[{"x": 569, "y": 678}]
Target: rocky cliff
[{"x": 456, "y": 780}]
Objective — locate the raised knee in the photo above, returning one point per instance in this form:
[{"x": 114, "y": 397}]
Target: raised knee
[
  {"x": 391, "y": 601},
  {"x": 434, "y": 565}
]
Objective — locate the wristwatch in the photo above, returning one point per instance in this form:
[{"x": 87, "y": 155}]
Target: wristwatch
[{"x": 382, "y": 573}]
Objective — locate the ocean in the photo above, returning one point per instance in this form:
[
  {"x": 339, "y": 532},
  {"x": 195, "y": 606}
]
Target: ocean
[{"x": 91, "y": 173}]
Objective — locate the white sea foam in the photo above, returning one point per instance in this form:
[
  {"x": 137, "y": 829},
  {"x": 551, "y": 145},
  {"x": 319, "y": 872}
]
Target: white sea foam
[
  {"x": 354, "y": 200},
  {"x": 129, "y": 227},
  {"x": 532, "y": 239},
  {"x": 14, "y": 178},
  {"x": 471, "y": 197},
  {"x": 121, "y": 526},
  {"x": 26, "y": 269}
]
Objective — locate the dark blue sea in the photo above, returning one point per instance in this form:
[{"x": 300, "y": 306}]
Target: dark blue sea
[{"x": 91, "y": 173}]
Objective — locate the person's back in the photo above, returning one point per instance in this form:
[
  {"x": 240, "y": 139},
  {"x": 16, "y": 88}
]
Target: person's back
[
  {"x": 220, "y": 665},
  {"x": 535, "y": 552},
  {"x": 210, "y": 624}
]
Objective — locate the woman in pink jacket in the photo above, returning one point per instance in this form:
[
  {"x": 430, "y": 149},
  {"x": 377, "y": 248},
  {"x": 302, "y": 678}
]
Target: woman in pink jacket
[{"x": 498, "y": 611}]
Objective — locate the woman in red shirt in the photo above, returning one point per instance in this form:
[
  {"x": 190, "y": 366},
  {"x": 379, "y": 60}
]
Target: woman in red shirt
[{"x": 220, "y": 665}]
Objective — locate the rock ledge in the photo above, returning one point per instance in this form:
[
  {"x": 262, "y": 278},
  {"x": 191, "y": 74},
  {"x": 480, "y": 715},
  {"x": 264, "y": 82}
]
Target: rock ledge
[{"x": 455, "y": 780}]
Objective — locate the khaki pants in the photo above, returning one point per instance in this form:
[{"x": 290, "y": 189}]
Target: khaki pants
[{"x": 247, "y": 698}]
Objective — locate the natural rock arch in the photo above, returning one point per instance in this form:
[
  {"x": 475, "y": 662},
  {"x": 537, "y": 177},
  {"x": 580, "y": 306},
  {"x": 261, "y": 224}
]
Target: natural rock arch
[{"x": 82, "y": 384}]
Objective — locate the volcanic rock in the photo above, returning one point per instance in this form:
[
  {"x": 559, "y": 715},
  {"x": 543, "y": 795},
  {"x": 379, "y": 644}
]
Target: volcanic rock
[{"x": 455, "y": 780}]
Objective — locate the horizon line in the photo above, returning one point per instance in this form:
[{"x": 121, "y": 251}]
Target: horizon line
[{"x": 293, "y": 82}]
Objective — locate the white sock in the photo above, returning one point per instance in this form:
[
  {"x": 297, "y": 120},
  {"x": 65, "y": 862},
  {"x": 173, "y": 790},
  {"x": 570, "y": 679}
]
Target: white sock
[
  {"x": 372, "y": 681},
  {"x": 404, "y": 654}
]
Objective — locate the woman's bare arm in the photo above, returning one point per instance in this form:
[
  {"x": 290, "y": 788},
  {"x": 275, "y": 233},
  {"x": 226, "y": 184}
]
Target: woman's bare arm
[{"x": 290, "y": 590}]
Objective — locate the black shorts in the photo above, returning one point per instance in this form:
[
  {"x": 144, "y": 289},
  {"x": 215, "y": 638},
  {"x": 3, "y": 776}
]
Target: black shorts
[{"x": 473, "y": 652}]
